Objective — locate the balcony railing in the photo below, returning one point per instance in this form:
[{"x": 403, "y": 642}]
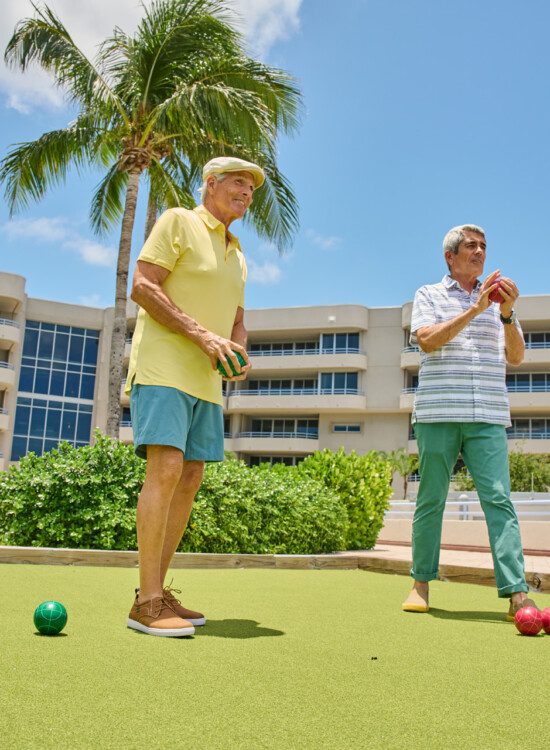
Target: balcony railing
[
  {"x": 277, "y": 434},
  {"x": 3, "y": 411},
  {"x": 537, "y": 344},
  {"x": 521, "y": 435},
  {"x": 461, "y": 510},
  {"x": 409, "y": 390},
  {"x": 8, "y": 322},
  {"x": 126, "y": 423},
  {"x": 301, "y": 352},
  {"x": 512, "y": 388},
  {"x": 298, "y": 392},
  {"x": 408, "y": 349},
  {"x": 7, "y": 366}
]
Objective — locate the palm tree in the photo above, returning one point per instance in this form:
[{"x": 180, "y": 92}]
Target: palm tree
[{"x": 157, "y": 104}]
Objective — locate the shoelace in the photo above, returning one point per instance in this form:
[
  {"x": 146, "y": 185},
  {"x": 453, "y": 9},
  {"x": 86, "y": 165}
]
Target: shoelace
[{"x": 171, "y": 591}]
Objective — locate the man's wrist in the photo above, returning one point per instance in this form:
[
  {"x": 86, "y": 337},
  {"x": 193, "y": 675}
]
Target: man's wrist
[{"x": 508, "y": 319}]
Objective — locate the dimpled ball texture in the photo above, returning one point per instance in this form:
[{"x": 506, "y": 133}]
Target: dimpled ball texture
[
  {"x": 495, "y": 295},
  {"x": 546, "y": 620},
  {"x": 50, "y": 618},
  {"x": 221, "y": 367},
  {"x": 528, "y": 620}
]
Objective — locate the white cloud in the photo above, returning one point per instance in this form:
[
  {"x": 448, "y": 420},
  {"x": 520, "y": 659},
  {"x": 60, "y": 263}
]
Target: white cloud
[
  {"x": 263, "y": 273},
  {"x": 325, "y": 242},
  {"x": 263, "y": 22},
  {"x": 59, "y": 230}
]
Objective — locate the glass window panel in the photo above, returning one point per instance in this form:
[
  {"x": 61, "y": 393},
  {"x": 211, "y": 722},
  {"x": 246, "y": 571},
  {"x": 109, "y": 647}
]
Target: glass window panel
[
  {"x": 30, "y": 347},
  {"x": 90, "y": 351},
  {"x": 45, "y": 344},
  {"x": 38, "y": 419},
  {"x": 278, "y": 425},
  {"x": 53, "y": 423},
  {"x": 78, "y": 331},
  {"x": 35, "y": 446},
  {"x": 18, "y": 448},
  {"x": 537, "y": 337},
  {"x": 286, "y": 384},
  {"x": 351, "y": 380},
  {"x": 63, "y": 329},
  {"x": 87, "y": 387},
  {"x": 327, "y": 341},
  {"x": 326, "y": 380},
  {"x": 22, "y": 420},
  {"x": 68, "y": 425},
  {"x": 76, "y": 348},
  {"x": 339, "y": 428},
  {"x": 42, "y": 381},
  {"x": 61, "y": 347},
  {"x": 26, "y": 379},
  {"x": 57, "y": 383},
  {"x": 339, "y": 380},
  {"x": 48, "y": 326},
  {"x": 353, "y": 341},
  {"x": 72, "y": 385},
  {"x": 84, "y": 427},
  {"x": 33, "y": 324},
  {"x": 341, "y": 340}
]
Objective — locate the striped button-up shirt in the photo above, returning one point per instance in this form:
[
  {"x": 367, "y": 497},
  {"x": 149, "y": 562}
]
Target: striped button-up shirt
[{"x": 464, "y": 380}]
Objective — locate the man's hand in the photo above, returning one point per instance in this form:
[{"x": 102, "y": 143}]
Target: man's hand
[
  {"x": 487, "y": 287},
  {"x": 218, "y": 348},
  {"x": 510, "y": 292}
]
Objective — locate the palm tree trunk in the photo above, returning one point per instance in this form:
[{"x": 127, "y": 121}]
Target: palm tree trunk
[
  {"x": 151, "y": 216},
  {"x": 118, "y": 338}
]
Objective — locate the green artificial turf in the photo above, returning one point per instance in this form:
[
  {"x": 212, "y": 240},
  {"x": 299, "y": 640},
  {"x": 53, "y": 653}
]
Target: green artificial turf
[{"x": 289, "y": 659}]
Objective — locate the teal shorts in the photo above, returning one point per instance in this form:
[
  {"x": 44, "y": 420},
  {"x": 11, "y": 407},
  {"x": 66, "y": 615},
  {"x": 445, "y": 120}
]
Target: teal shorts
[{"x": 167, "y": 416}]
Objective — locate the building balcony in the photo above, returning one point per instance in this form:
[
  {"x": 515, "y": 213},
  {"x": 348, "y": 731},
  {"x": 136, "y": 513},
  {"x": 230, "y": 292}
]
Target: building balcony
[
  {"x": 127, "y": 350},
  {"x": 4, "y": 420},
  {"x": 410, "y": 358},
  {"x": 297, "y": 401},
  {"x": 7, "y": 375},
  {"x": 297, "y": 360},
  {"x": 10, "y": 333},
  {"x": 406, "y": 399},
  {"x": 529, "y": 399},
  {"x": 536, "y": 354},
  {"x": 12, "y": 291},
  {"x": 272, "y": 442},
  {"x": 124, "y": 397}
]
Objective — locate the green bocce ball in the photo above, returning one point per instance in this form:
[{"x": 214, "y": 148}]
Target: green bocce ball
[
  {"x": 50, "y": 618},
  {"x": 222, "y": 369}
]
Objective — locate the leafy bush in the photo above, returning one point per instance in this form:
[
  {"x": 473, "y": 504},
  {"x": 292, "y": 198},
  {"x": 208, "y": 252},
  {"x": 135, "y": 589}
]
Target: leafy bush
[
  {"x": 73, "y": 497},
  {"x": 266, "y": 509},
  {"x": 363, "y": 484},
  {"x": 86, "y": 498},
  {"x": 529, "y": 472}
]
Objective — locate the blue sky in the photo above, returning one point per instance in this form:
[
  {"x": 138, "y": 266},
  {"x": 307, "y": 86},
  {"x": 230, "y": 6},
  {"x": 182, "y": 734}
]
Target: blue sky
[{"x": 419, "y": 115}]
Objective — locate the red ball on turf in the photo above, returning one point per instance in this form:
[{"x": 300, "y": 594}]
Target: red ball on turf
[
  {"x": 546, "y": 620},
  {"x": 495, "y": 295},
  {"x": 528, "y": 620}
]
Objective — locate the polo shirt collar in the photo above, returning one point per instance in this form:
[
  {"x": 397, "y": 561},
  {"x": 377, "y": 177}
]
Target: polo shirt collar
[
  {"x": 451, "y": 283},
  {"x": 213, "y": 223}
]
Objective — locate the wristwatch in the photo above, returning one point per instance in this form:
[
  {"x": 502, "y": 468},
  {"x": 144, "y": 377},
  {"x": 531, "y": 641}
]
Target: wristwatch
[{"x": 511, "y": 319}]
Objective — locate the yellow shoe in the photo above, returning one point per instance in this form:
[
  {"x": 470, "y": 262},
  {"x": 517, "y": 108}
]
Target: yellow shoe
[
  {"x": 515, "y": 607},
  {"x": 415, "y": 603}
]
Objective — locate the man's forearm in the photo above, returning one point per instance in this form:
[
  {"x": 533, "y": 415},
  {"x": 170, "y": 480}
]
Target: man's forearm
[
  {"x": 436, "y": 336},
  {"x": 154, "y": 300},
  {"x": 239, "y": 334},
  {"x": 514, "y": 345}
]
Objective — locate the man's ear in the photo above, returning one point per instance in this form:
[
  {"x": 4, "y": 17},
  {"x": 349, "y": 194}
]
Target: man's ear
[{"x": 448, "y": 255}]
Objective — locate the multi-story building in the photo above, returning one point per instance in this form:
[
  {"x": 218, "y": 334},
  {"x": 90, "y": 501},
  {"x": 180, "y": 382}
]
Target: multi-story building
[{"x": 322, "y": 377}]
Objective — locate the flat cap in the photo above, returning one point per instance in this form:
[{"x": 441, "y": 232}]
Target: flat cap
[{"x": 222, "y": 164}]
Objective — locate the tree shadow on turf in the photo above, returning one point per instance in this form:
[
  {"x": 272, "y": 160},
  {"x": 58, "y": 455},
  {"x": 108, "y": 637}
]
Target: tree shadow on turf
[
  {"x": 472, "y": 615},
  {"x": 236, "y": 629}
]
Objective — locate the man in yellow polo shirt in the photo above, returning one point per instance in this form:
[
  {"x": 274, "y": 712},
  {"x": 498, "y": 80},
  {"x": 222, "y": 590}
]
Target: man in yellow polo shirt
[{"x": 189, "y": 283}]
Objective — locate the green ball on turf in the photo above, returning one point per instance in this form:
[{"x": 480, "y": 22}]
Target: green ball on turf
[
  {"x": 50, "y": 618},
  {"x": 222, "y": 369}
]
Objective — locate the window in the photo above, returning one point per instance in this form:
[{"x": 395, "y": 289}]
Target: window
[
  {"x": 339, "y": 382},
  {"x": 528, "y": 382},
  {"x": 285, "y": 427},
  {"x": 339, "y": 343},
  {"x": 126, "y": 417},
  {"x": 41, "y": 424},
  {"x": 287, "y": 460},
  {"x": 352, "y": 427}
]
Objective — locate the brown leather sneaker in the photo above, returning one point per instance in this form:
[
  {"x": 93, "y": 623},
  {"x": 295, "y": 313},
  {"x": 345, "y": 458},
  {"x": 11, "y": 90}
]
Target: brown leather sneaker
[
  {"x": 515, "y": 607},
  {"x": 156, "y": 617},
  {"x": 196, "y": 618}
]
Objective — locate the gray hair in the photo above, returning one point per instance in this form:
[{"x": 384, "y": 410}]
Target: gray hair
[
  {"x": 203, "y": 190},
  {"x": 454, "y": 237}
]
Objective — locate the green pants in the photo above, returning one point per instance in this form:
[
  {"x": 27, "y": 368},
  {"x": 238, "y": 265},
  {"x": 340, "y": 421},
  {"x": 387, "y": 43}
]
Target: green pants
[{"x": 485, "y": 453}]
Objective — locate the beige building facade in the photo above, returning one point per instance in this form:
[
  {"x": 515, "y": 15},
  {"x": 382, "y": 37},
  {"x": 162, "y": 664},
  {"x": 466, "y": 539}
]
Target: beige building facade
[{"x": 323, "y": 377}]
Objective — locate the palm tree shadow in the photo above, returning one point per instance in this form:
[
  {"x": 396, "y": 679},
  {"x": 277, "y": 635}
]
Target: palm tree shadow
[
  {"x": 469, "y": 615},
  {"x": 236, "y": 629}
]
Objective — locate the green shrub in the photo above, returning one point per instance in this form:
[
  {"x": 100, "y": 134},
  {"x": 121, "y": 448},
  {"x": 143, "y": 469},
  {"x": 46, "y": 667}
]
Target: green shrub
[
  {"x": 266, "y": 509},
  {"x": 72, "y": 497},
  {"x": 363, "y": 483},
  {"x": 86, "y": 498},
  {"x": 529, "y": 472}
]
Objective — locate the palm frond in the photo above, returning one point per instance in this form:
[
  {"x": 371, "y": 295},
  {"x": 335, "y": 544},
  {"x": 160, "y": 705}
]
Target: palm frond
[
  {"x": 45, "y": 40},
  {"x": 107, "y": 204}
]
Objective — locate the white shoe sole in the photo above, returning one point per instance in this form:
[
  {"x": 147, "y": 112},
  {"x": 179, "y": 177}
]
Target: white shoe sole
[
  {"x": 198, "y": 621},
  {"x": 163, "y": 632}
]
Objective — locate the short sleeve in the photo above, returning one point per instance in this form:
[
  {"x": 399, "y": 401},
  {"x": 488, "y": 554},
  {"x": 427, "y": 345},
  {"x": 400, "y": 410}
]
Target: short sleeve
[
  {"x": 245, "y": 274},
  {"x": 423, "y": 313},
  {"x": 166, "y": 241}
]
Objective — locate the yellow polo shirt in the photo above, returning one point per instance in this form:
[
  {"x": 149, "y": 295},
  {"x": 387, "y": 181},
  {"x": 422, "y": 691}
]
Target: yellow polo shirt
[{"x": 206, "y": 282}]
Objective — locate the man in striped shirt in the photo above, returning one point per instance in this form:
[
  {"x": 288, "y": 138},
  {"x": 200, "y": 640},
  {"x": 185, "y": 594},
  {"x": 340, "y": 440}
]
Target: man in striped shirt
[{"x": 462, "y": 407}]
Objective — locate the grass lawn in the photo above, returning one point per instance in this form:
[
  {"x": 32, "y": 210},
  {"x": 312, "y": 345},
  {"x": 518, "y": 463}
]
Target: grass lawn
[{"x": 288, "y": 659}]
